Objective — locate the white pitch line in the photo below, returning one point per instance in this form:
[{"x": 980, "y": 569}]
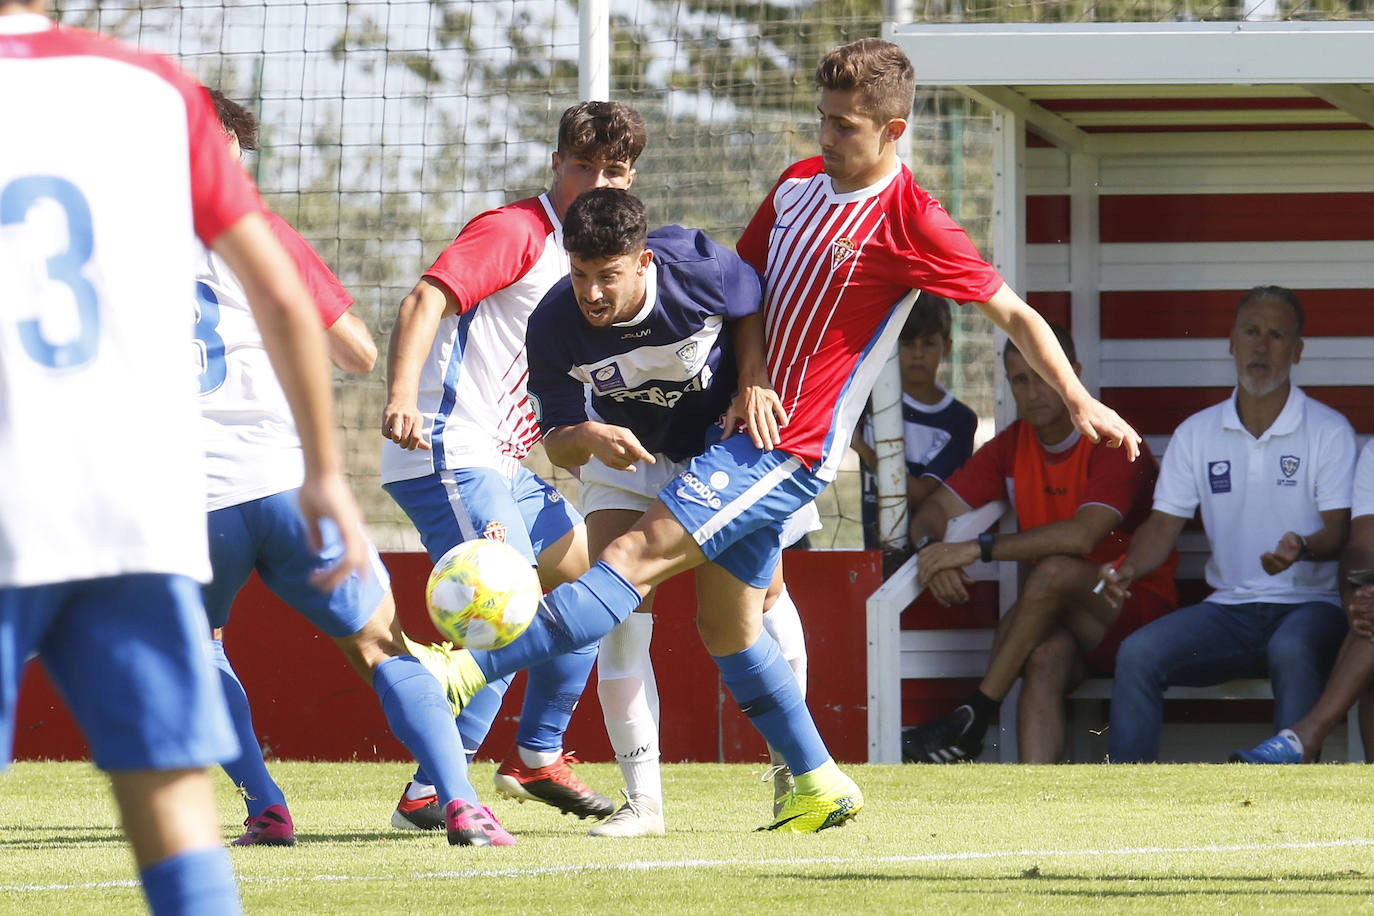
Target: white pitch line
[{"x": 706, "y": 864}]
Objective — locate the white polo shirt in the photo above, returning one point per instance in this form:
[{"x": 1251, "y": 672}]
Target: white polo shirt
[
  {"x": 1253, "y": 490},
  {"x": 1362, "y": 502}
]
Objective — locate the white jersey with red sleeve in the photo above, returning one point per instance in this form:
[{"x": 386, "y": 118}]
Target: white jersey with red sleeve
[
  {"x": 838, "y": 270},
  {"x": 252, "y": 449},
  {"x": 472, "y": 386},
  {"x": 100, "y": 455}
]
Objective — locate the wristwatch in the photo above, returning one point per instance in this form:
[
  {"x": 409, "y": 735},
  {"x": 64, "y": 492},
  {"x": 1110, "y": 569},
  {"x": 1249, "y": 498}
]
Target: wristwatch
[
  {"x": 1303, "y": 552},
  {"x": 925, "y": 541},
  {"x": 985, "y": 542}
]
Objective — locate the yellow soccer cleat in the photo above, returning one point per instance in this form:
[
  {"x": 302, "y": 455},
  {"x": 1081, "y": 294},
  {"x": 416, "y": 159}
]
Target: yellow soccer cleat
[
  {"x": 455, "y": 670},
  {"x": 812, "y": 813}
]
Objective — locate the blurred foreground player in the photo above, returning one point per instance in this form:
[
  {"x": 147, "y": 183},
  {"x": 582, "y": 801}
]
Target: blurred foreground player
[{"x": 101, "y": 548}]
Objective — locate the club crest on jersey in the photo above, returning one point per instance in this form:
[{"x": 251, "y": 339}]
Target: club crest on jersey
[
  {"x": 841, "y": 250},
  {"x": 688, "y": 353},
  {"x": 495, "y": 531},
  {"x": 606, "y": 379}
]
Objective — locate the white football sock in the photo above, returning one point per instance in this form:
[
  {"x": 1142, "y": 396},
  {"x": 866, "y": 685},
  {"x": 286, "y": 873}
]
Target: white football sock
[
  {"x": 536, "y": 759},
  {"x": 783, "y": 622},
  {"x": 1293, "y": 740},
  {"x": 629, "y": 702},
  {"x": 418, "y": 790}
]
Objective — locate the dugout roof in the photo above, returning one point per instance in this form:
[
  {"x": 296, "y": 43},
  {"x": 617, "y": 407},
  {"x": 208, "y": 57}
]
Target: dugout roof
[{"x": 1074, "y": 83}]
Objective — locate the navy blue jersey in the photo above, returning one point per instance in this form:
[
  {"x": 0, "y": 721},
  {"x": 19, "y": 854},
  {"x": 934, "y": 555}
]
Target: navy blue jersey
[
  {"x": 666, "y": 375},
  {"x": 939, "y": 438}
]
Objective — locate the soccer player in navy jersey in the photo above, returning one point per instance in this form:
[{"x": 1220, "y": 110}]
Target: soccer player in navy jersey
[
  {"x": 645, "y": 321},
  {"x": 843, "y": 241},
  {"x": 101, "y": 545}
]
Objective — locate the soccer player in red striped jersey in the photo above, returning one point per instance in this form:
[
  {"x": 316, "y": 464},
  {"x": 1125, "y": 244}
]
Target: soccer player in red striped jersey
[
  {"x": 844, "y": 236},
  {"x": 843, "y": 241}
]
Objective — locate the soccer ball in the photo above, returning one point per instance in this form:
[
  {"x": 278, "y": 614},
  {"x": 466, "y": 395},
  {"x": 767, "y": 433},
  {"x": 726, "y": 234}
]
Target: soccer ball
[{"x": 482, "y": 594}]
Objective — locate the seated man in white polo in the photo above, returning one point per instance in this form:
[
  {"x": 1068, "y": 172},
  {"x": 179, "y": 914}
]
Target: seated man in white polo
[{"x": 1271, "y": 470}]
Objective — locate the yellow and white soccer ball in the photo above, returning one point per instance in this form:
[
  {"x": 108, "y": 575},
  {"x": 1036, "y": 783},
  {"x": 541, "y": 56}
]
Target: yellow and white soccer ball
[{"x": 482, "y": 594}]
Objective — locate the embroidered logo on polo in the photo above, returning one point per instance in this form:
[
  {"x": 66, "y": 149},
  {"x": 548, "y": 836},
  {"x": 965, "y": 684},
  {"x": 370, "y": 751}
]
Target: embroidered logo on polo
[
  {"x": 1219, "y": 476},
  {"x": 607, "y": 379},
  {"x": 688, "y": 353},
  {"x": 1288, "y": 464},
  {"x": 495, "y": 531}
]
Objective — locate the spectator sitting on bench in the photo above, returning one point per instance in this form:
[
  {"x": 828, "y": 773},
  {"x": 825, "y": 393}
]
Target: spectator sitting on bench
[
  {"x": 1077, "y": 503},
  {"x": 937, "y": 430},
  {"x": 1352, "y": 677},
  {"x": 1271, "y": 470}
]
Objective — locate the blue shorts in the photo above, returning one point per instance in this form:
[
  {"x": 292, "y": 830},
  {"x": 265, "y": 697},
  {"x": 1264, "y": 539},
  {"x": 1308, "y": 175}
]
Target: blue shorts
[
  {"x": 132, "y": 659},
  {"x": 268, "y": 535},
  {"x": 734, "y": 499},
  {"x": 450, "y": 507}
]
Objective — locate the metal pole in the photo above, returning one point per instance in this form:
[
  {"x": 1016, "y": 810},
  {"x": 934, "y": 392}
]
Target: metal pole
[
  {"x": 889, "y": 435},
  {"x": 594, "y": 49}
]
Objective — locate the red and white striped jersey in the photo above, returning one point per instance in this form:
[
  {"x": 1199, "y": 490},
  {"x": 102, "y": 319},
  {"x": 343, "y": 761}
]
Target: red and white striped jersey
[
  {"x": 838, "y": 270},
  {"x": 472, "y": 387},
  {"x": 113, "y": 160}
]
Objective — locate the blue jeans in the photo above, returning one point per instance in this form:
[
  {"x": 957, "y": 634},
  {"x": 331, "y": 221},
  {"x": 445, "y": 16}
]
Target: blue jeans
[{"x": 1205, "y": 644}]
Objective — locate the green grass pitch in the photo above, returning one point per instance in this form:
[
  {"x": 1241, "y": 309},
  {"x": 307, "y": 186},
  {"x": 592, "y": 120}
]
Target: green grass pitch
[{"x": 963, "y": 839}]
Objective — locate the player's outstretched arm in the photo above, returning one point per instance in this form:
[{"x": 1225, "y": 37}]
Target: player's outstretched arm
[
  {"x": 756, "y": 404},
  {"x": 1034, "y": 338},
  {"x": 295, "y": 342},
  {"x": 417, "y": 322}
]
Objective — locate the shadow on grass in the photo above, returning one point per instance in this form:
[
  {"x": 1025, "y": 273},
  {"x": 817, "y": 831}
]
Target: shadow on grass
[
  {"x": 1359, "y": 883},
  {"x": 60, "y": 837}
]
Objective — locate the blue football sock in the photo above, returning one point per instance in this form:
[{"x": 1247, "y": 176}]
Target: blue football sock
[
  {"x": 195, "y": 883},
  {"x": 551, "y": 694},
  {"x": 419, "y": 715},
  {"x": 475, "y": 721},
  {"x": 573, "y": 615},
  {"x": 766, "y": 690},
  {"x": 248, "y": 771}
]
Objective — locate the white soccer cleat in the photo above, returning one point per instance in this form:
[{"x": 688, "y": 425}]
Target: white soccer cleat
[{"x": 641, "y": 815}]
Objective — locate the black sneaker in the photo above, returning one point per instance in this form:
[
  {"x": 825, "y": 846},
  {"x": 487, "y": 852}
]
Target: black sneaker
[{"x": 943, "y": 740}]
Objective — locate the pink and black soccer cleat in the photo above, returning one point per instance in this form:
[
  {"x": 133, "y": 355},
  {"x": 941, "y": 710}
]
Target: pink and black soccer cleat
[
  {"x": 474, "y": 825},
  {"x": 272, "y": 827}
]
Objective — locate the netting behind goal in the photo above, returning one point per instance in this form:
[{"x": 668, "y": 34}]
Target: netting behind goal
[{"x": 388, "y": 123}]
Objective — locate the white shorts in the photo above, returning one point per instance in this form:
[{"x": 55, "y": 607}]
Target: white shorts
[{"x": 606, "y": 488}]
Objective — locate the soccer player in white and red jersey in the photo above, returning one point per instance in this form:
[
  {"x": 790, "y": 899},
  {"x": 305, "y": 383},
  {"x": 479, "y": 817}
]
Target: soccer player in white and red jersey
[
  {"x": 101, "y": 547},
  {"x": 253, "y": 461},
  {"x": 459, "y": 423},
  {"x": 842, "y": 241}
]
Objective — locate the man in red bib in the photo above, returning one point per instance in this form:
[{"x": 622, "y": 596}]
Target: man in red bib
[{"x": 1076, "y": 503}]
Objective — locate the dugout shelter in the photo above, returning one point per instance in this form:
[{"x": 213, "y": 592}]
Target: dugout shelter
[{"x": 1146, "y": 174}]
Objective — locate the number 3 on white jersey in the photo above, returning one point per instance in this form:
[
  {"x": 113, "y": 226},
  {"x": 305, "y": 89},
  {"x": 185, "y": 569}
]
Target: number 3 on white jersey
[
  {"x": 209, "y": 345},
  {"x": 17, "y": 200}
]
